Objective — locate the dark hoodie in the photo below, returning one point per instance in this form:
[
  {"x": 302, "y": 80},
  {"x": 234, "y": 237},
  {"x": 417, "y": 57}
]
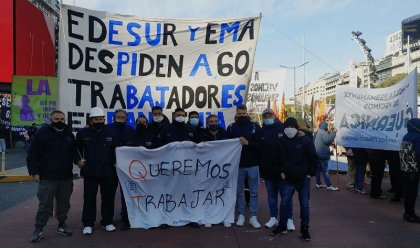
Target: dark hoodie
[
  {"x": 410, "y": 147},
  {"x": 156, "y": 127},
  {"x": 270, "y": 157}
]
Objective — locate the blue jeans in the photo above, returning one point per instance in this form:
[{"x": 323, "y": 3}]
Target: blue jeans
[
  {"x": 324, "y": 169},
  {"x": 360, "y": 174},
  {"x": 252, "y": 173},
  {"x": 287, "y": 192},
  {"x": 273, "y": 189}
]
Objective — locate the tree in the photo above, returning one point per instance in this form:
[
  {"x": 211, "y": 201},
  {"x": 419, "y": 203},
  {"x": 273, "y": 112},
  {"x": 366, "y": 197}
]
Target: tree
[{"x": 395, "y": 79}]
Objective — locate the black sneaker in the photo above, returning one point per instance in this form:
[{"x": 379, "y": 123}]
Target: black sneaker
[
  {"x": 304, "y": 234},
  {"x": 194, "y": 225},
  {"x": 278, "y": 230},
  {"x": 37, "y": 235},
  {"x": 412, "y": 218},
  {"x": 64, "y": 230},
  {"x": 124, "y": 226}
]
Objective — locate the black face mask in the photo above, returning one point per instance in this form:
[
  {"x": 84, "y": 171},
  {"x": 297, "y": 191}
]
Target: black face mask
[
  {"x": 59, "y": 125},
  {"x": 243, "y": 119},
  {"x": 120, "y": 124},
  {"x": 214, "y": 127},
  {"x": 140, "y": 127},
  {"x": 98, "y": 126}
]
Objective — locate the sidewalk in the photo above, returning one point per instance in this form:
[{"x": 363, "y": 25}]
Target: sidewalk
[{"x": 338, "y": 219}]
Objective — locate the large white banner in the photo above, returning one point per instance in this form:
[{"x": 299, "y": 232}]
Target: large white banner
[
  {"x": 179, "y": 183},
  {"x": 266, "y": 88},
  {"x": 119, "y": 61},
  {"x": 375, "y": 118}
]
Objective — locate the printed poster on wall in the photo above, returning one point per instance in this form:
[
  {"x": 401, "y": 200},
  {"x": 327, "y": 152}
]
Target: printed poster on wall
[
  {"x": 134, "y": 63},
  {"x": 33, "y": 99}
]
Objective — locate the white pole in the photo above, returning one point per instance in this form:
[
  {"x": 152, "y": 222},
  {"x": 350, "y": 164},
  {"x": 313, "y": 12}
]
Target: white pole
[{"x": 303, "y": 101}]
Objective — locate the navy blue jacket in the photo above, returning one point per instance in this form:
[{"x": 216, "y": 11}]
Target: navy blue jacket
[
  {"x": 98, "y": 149},
  {"x": 270, "y": 157},
  {"x": 156, "y": 128},
  {"x": 253, "y": 133},
  {"x": 145, "y": 138},
  {"x": 176, "y": 132},
  {"x": 220, "y": 135},
  {"x": 298, "y": 158},
  {"x": 51, "y": 154},
  {"x": 124, "y": 134}
]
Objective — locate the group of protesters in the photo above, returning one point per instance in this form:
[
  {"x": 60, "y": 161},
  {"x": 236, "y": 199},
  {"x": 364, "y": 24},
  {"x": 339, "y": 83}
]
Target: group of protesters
[{"x": 279, "y": 153}]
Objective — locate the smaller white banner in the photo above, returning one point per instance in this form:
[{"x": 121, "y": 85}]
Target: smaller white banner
[
  {"x": 180, "y": 183},
  {"x": 375, "y": 118}
]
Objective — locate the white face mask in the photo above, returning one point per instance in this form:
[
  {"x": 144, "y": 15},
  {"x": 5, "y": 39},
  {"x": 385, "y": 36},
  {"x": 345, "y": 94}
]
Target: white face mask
[
  {"x": 290, "y": 132},
  {"x": 158, "y": 119},
  {"x": 180, "y": 119}
]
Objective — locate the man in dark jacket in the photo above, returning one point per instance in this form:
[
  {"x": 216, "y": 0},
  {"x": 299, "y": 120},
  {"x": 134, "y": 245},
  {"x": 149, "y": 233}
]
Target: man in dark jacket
[
  {"x": 50, "y": 162},
  {"x": 178, "y": 130},
  {"x": 213, "y": 130},
  {"x": 158, "y": 122},
  {"x": 410, "y": 161},
  {"x": 96, "y": 149},
  {"x": 124, "y": 136},
  {"x": 250, "y": 135},
  {"x": 269, "y": 163},
  {"x": 194, "y": 122},
  {"x": 299, "y": 163},
  {"x": 143, "y": 136}
]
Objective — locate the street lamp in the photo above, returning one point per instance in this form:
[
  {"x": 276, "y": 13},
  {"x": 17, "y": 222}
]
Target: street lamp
[{"x": 294, "y": 81}]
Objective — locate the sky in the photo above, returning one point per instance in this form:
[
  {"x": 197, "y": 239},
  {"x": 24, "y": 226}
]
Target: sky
[{"x": 325, "y": 25}]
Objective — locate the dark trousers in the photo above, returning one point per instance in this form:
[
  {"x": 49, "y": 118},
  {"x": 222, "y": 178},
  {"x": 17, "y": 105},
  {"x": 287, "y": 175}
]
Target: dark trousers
[
  {"x": 124, "y": 213},
  {"x": 395, "y": 173},
  {"x": 108, "y": 187},
  {"x": 61, "y": 190},
  {"x": 411, "y": 187},
  {"x": 377, "y": 167}
]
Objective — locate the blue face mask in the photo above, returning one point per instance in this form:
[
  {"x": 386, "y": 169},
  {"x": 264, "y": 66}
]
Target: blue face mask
[
  {"x": 194, "y": 121},
  {"x": 268, "y": 122}
]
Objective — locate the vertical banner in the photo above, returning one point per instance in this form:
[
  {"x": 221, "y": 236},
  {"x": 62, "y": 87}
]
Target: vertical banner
[
  {"x": 180, "y": 183},
  {"x": 119, "y": 61},
  {"x": 375, "y": 118},
  {"x": 33, "y": 99},
  {"x": 266, "y": 88}
]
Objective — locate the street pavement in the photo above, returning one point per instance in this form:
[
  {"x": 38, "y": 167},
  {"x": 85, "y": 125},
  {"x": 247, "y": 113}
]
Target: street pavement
[{"x": 338, "y": 219}]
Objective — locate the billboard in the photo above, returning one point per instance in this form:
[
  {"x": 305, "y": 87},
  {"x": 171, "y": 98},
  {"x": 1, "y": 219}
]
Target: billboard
[
  {"x": 6, "y": 37},
  {"x": 393, "y": 43},
  {"x": 34, "y": 42},
  {"x": 411, "y": 27}
]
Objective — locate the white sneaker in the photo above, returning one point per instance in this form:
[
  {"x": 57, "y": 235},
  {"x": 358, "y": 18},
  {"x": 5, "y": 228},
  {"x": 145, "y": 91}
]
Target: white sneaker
[
  {"x": 254, "y": 222},
  {"x": 87, "y": 230},
  {"x": 227, "y": 224},
  {"x": 290, "y": 225},
  {"x": 109, "y": 228},
  {"x": 271, "y": 222},
  {"x": 332, "y": 188},
  {"x": 241, "y": 220},
  {"x": 319, "y": 186},
  {"x": 207, "y": 225}
]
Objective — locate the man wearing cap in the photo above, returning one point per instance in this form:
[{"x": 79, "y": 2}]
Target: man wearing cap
[
  {"x": 269, "y": 162},
  {"x": 298, "y": 164},
  {"x": 250, "y": 135},
  {"x": 96, "y": 157},
  {"x": 50, "y": 162}
]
